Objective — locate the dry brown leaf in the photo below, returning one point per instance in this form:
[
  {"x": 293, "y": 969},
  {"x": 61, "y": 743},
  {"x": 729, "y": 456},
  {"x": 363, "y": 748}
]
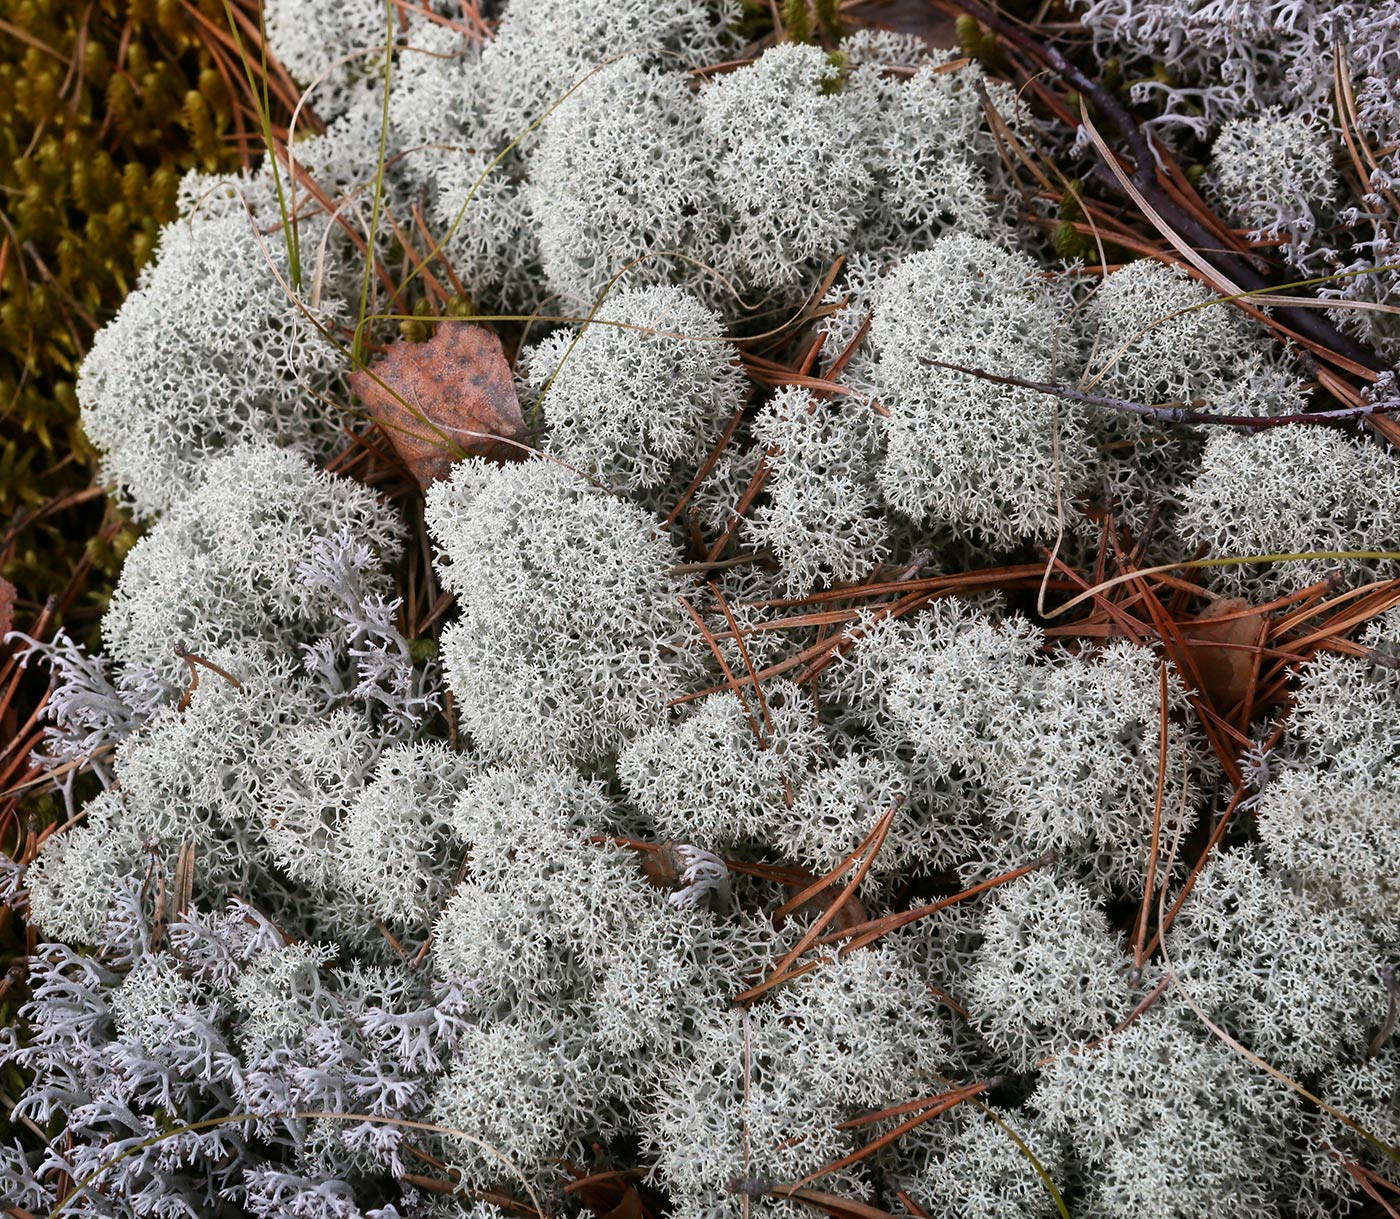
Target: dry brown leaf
[
  {"x": 613, "y": 1193},
  {"x": 851, "y": 914},
  {"x": 916, "y": 17},
  {"x": 1226, "y": 671},
  {"x": 630, "y": 1207},
  {"x": 461, "y": 394},
  {"x": 7, "y": 606}
]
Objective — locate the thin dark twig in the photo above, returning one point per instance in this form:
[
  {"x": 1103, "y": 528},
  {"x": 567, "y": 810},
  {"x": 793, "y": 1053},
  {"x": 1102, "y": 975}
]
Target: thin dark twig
[{"x": 1172, "y": 415}]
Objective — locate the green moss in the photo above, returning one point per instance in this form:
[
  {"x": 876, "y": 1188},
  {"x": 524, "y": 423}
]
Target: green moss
[
  {"x": 797, "y": 21},
  {"x": 103, "y": 108},
  {"x": 829, "y": 18},
  {"x": 837, "y": 59},
  {"x": 418, "y": 328},
  {"x": 1068, "y": 241},
  {"x": 981, "y": 45}
]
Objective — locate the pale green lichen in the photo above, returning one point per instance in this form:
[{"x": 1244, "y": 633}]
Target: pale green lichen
[{"x": 511, "y": 886}]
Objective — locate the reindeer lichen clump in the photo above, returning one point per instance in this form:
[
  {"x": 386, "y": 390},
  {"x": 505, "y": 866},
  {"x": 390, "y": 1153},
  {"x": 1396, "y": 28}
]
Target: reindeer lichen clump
[{"x": 419, "y": 857}]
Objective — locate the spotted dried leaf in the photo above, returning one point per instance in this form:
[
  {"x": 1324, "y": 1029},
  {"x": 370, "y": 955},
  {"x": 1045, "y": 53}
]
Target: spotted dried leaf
[
  {"x": 443, "y": 399},
  {"x": 7, "y": 606}
]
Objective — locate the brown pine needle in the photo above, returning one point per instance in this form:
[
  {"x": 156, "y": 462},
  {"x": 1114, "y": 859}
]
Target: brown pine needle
[{"x": 869, "y": 847}]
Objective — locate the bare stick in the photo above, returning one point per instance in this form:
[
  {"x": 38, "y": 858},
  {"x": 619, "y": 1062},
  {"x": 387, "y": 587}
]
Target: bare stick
[{"x": 1172, "y": 416}]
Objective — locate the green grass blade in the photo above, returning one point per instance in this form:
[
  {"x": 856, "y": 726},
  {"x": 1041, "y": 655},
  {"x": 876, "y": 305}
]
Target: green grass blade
[{"x": 263, "y": 105}]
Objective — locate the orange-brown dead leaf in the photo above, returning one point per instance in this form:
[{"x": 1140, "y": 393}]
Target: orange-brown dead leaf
[
  {"x": 460, "y": 399},
  {"x": 1226, "y": 669},
  {"x": 7, "y": 606}
]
